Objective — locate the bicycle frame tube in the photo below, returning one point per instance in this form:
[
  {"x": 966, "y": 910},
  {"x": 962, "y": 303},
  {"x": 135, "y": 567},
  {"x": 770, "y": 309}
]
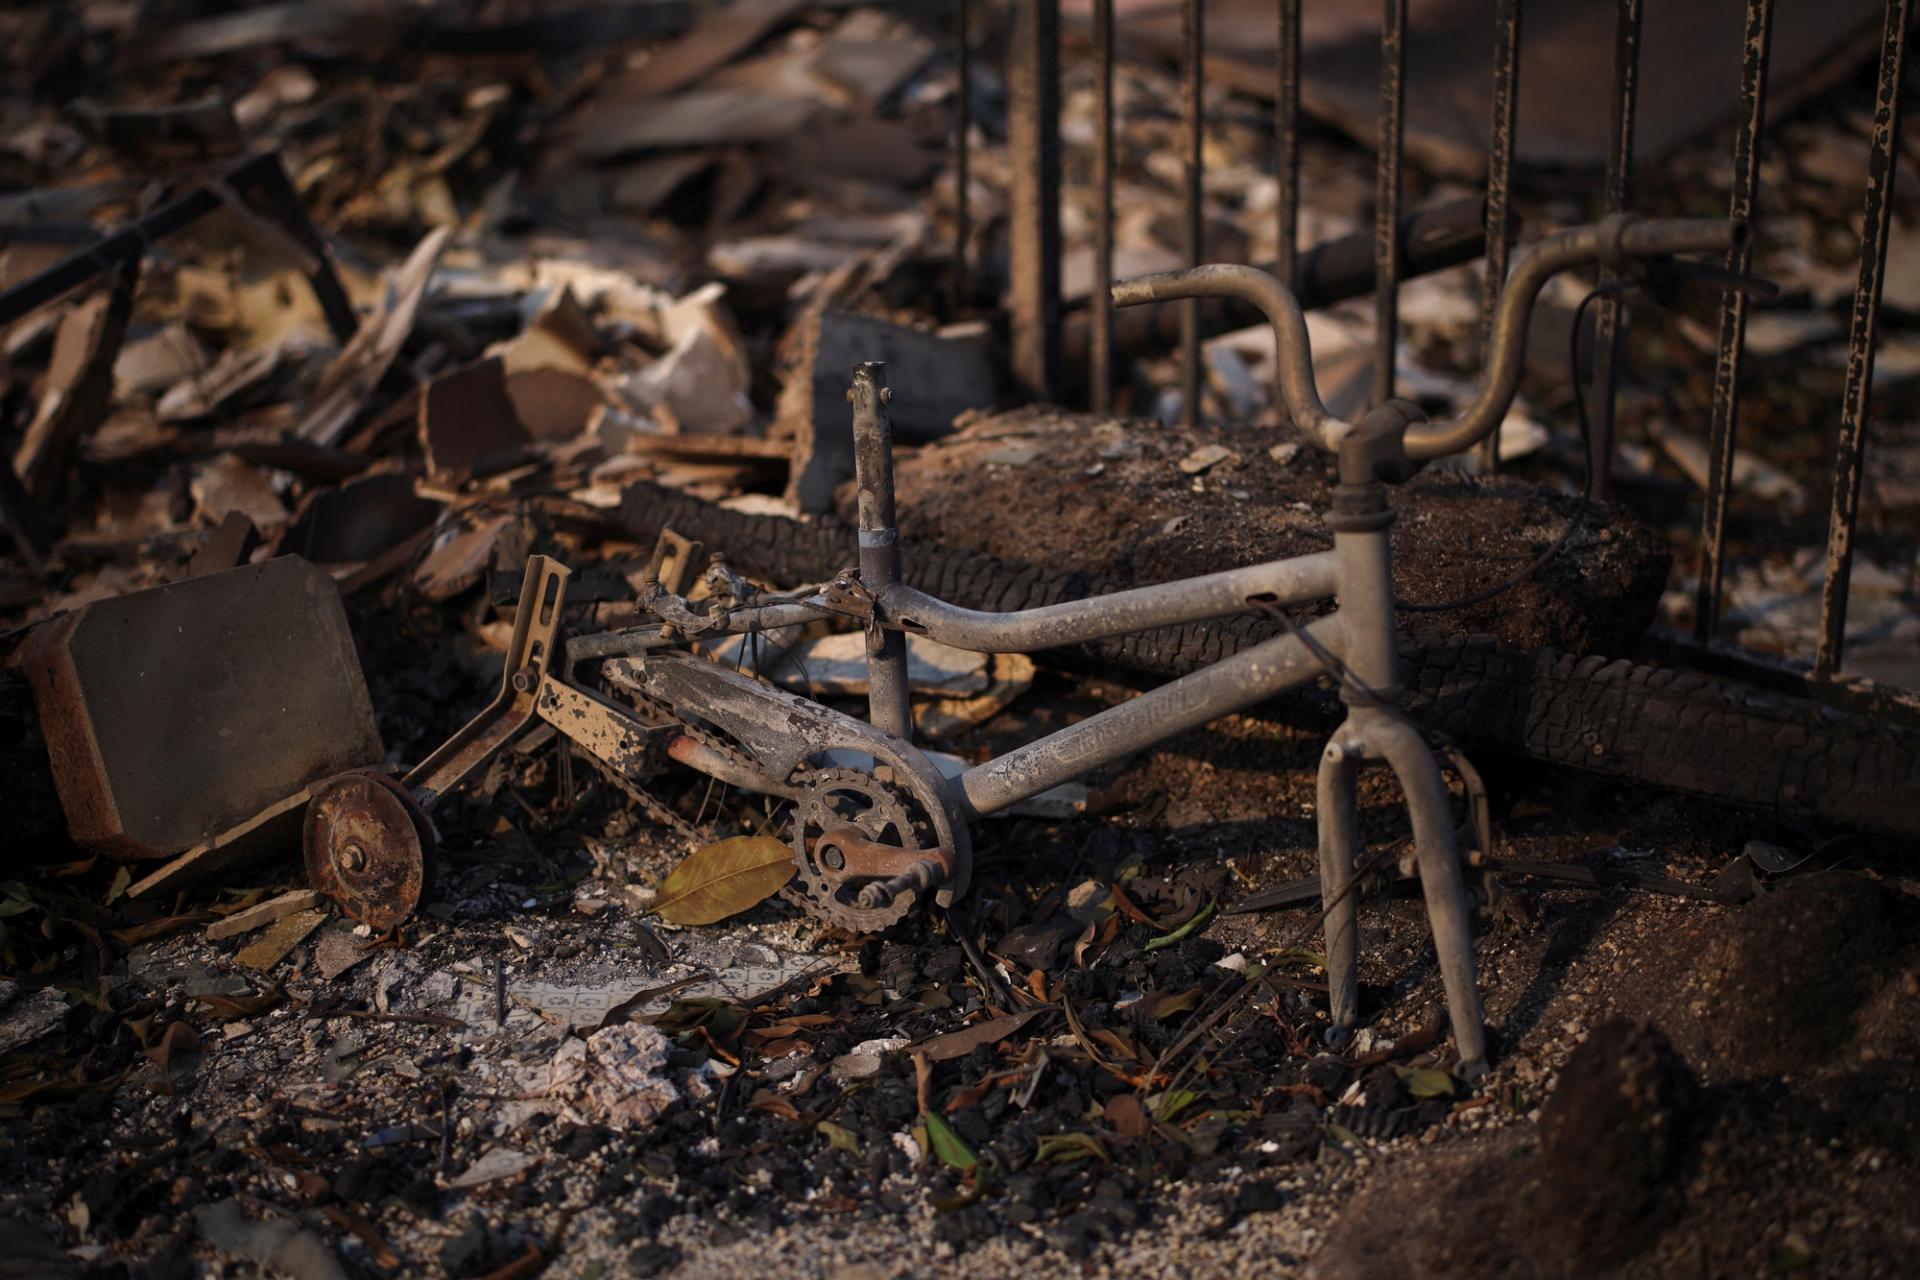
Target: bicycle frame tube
[
  {"x": 1214, "y": 595},
  {"x": 1232, "y": 684}
]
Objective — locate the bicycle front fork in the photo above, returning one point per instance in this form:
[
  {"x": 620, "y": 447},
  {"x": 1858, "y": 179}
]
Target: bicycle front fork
[{"x": 1376, "y": 731}]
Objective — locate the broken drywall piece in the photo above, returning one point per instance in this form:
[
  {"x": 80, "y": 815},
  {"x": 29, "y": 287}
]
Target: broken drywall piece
[
  {"x": 698, "y": 118},
  {"x": 79, "y": 384},
  {"x": 467, "y": 422},
  {"x": 155, "y": 361},
  {"x": 238, "y": 379},
  {"x": 616, "y": 1077},
  {"x": 347, "y": 383},
  {"x": 227, "y": 484},
  {"x": 697, "y": 387},
  {"x": 554, "y": 404},
  {"x": 1750, "y": 474},
  {"x": 934, "y": 380}
]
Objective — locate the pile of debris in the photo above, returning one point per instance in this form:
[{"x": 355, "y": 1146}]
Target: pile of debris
[{"x": 318, "y": 328}]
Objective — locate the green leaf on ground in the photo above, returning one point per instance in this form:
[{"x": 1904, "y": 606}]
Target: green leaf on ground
[
  {"x": 1188, "y": 929},
  {"x": 949, "y": 1146}
]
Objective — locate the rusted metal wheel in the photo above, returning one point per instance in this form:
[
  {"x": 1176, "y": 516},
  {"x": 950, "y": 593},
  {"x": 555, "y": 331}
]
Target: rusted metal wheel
[{"x": 368, "y": 847}]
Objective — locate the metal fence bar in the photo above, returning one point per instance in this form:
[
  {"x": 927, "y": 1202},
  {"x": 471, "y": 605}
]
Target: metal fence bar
[
  {"x": 1193, "y": 77},
  {"x": 962, "y": 126},
  {"x": 1033, "y": 136},
  {"x": 1864, "y": 328},
  {"x": 1100, "y": 347},
  {"x": 1386, "y": 199},
  {"x": 1733, "y": 318},
  {"x": 1500, "y": 125},
  {"x": 1619, "y": 190},
  {"x": 1286, "y": 164}
]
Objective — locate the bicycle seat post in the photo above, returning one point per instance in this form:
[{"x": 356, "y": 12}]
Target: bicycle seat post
[{"x": 887, "y": 704}]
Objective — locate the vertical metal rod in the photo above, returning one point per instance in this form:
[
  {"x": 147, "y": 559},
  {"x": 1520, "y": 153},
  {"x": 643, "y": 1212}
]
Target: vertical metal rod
[
  {"x": 1733, "y": 318},
  {"x": 887, "y": 705},
  {"x": 1500, "y": 125},
  {"x": 1100, "y": 355},
  {"x": 1033, "y": 128},
  {"x": 1861, "y": 333},
  {"x": 1193, "y": 25},
  {"x": 277, "y": 197},
  {"x": 962, "y": 126},
  {"x": 1606, "y": 320},
  {"x": 1386, "y": 197},
  {"x": 1286, "y": 165}
]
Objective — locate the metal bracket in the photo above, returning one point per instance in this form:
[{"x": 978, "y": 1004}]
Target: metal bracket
[{"x": 530, "y": 655}]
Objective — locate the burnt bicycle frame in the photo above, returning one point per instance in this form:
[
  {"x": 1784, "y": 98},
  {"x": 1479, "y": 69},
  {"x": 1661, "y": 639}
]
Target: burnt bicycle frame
[{"x": 777, "y": 732}]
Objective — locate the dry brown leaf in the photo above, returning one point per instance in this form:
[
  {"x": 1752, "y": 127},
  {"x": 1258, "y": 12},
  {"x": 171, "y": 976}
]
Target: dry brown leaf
[
  {"x": 1126, "y": 1116},
  {"x": 233, "y": 1009},
  {"x": 723, "y": 879},
  {"x": 139, "y": 933},
  {"x": 773, "y": 1104},
  {"x": 177, "y": 1038},
  {"x": 958, "y": 1044}
]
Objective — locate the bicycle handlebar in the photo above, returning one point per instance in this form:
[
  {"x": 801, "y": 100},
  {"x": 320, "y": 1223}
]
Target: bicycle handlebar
[{"x": 1607, "y": 242}]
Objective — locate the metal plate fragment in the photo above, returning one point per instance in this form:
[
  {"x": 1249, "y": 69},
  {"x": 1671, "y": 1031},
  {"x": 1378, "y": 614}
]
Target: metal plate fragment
[{"x": 176, "y": 714}]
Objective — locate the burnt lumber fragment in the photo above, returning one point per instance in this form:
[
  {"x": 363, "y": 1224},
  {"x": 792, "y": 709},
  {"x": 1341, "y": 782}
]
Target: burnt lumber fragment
[
  {"x": 1667, "y": 728},
  {"x": 938, "y": 378}
]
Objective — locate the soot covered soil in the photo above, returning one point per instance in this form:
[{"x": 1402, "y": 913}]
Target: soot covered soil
[{"x": 1168, "y": 1107}]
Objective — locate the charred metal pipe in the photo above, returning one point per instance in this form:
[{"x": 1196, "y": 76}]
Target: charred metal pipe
[
  {"x": 1033, "y": 197},
  {"x": 1286, "y": 160},
  {"x": 1747, "y": 135},
  {"x": 1386, "y": 197},
  {"x": 879, "y": 546},
  {"x": 1310, "y": 577},
  {"x": 1193, "y": 76},
  {"x": 1500, "y": 134},
  {"x": 1863, "y": 327},
  {"x": 1100, "y": 336},
  {"x": 1603, "y": 242},
  {"x": 1619, "y": 192},
  {"x": 1293, "y": 351}
]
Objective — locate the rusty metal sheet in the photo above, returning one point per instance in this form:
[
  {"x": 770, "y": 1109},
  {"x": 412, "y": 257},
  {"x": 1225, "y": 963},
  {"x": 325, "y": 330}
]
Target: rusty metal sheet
[{"x": 175, "y": 714}]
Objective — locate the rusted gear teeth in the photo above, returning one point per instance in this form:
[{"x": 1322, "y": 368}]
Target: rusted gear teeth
[{"x": 887, "y": 814}]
